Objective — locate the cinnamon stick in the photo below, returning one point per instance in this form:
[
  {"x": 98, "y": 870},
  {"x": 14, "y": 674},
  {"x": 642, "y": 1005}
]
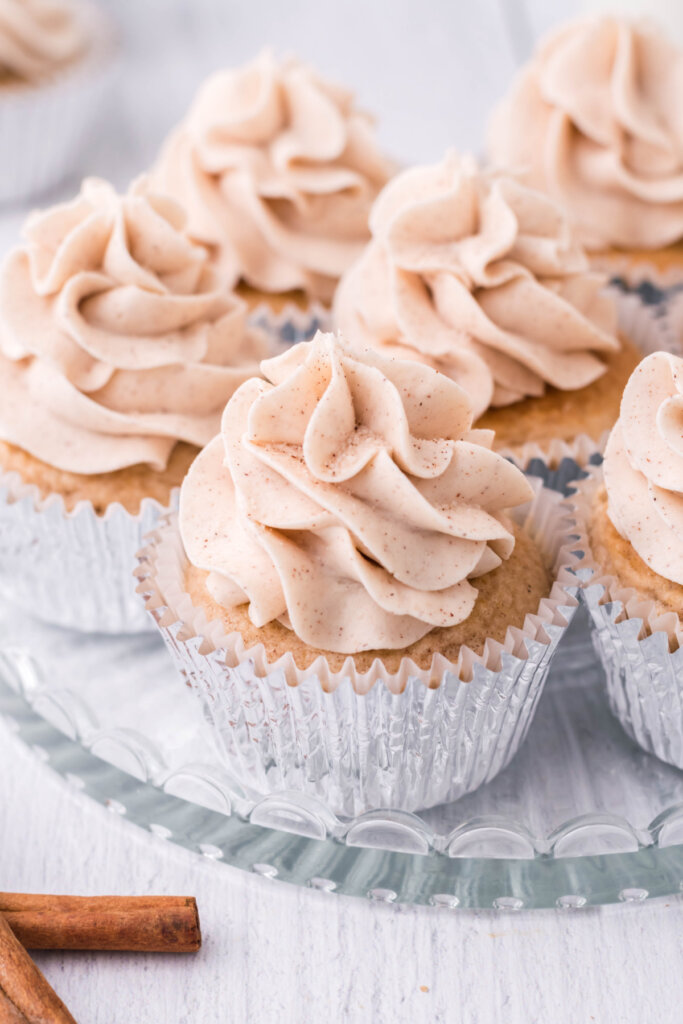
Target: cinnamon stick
[
  {"x": 9, "y": 1013},
  {"x": 25, "y": 995},
  {"x": 152, "y": 924}
]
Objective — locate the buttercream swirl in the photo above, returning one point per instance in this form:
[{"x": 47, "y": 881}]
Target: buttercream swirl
[
  {"x": 644, "y": 465},
  {"x": 117, "y": 338},
  {"x": 482, "y": 278},
  {"x": 37, "y": 37},
  {"x": 278, "y": 170},
  {"x": 348, "y": 498},
  {"x": 595, "y": 120}
]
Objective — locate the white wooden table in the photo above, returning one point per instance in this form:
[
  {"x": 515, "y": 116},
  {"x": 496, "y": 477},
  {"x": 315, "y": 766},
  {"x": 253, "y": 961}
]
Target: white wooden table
[
  {"x": 276, "y": 953},
  {"x": 273, "y": 952}
]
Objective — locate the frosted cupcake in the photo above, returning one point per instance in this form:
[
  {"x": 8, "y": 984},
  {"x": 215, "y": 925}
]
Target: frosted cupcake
[
  {"x": 55, "y": 61},
  {"x": 475, "y": 274},
  {"x": 277, "y": 169},
  {"x": 630, "y": 515},
  {"x": 594, "y": 120},
  {"x": 119, "y": 346},
  {"x": 348, "y": 546}
]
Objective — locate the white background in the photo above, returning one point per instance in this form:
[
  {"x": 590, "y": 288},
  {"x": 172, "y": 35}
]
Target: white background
[{"x": 430, "y": 70}]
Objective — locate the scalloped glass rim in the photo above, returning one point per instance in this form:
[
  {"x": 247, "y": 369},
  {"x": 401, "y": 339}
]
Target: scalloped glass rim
[
  {"x": 386, "y": 856},
  {"x": 484, "y": 861}
]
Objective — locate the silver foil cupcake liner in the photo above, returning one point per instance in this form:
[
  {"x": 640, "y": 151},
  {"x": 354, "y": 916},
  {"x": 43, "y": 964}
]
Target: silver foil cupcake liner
[
  {"x": 639, "y": 275},
  {"x": 560, "y": 463},
  {"x": 657, "y": 294},
  {"x": 44, "y": 126},
  {"x": 641, "y": 651},
  {"x": 560, "y": 470},
  {"x": 671, "y": 317},
  {"x": 407, "y": 740},
  {"x": 72, "y": 568},
  {"x": 291, "y": 324}
]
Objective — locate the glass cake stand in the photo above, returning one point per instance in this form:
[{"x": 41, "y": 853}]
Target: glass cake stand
[{"x": 581, "y": 817}]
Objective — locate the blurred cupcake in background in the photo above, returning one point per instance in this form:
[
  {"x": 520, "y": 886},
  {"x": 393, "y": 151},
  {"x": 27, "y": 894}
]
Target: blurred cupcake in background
[
  {"x": 477, "y": 275},
  {"x": 595, "y": 120},
  {"x": 56, "y": 58},
  {"x": 630, "y": 520},
  {"x": 119, "y": 347},
  {"x": 277, "y": 169},
  {"x": 377, "y": 594}
]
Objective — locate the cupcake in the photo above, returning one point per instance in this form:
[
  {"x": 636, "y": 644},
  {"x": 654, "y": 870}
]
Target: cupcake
[
  {"x": 119, "y": 347},
  {"x": 475, "y": 274},
  {"x": 277, "y": 169},
  {"x": 593, "y": 120},
  {"x": 55, "y": 59},
  {"x": 363, "y": 593},
  {"x": 630, "y": 520}
]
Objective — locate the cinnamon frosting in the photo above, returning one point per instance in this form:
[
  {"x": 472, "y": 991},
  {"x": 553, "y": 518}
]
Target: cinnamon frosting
[
  {"x": 37, "y": 37},
  {"x": 348, "y": 498},
  {"x": 117, "y": 338},
  {"x": 595, "y": 120},
  {"x": 480, "y": 277},
  {"x": 644, "y": 465},
  {"x": 278, "y": 170}
]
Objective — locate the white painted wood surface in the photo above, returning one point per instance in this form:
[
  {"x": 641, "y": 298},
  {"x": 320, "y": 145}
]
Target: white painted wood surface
[
  {"x": 275, "y": 953},
  {"x": 430, "y": 70}
]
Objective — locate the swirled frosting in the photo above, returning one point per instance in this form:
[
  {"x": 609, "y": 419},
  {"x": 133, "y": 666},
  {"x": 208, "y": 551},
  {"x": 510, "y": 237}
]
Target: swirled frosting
[
  {"x": 480, "y": 277},
  {"x": 595, "y": 120},
  {"x": 117, "y": 338},
  {"x": 644, "y": 465},
  {"x": 278, "y": 171},
  {"x": 347, "y": 498},
  {"x": 38, "y": 36}
]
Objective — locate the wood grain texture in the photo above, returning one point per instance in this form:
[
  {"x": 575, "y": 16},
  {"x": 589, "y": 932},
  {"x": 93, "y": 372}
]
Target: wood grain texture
[{"x": 277, "y": 953}]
